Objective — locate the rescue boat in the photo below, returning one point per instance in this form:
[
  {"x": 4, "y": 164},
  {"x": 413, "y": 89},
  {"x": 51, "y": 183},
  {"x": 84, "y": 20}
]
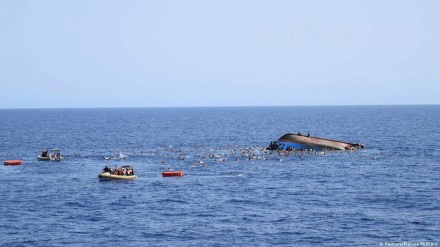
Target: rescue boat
[
  {"x": 110, "y": 174},
  {"x": 51, "y": 155},
  {"x": 107, "y": 175}
]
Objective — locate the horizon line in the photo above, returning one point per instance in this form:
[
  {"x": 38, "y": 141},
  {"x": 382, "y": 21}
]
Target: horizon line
[{"x": 231, "y": 106}]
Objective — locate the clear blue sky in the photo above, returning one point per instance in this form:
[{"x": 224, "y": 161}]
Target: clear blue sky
[{"x": 91, "y": 53}]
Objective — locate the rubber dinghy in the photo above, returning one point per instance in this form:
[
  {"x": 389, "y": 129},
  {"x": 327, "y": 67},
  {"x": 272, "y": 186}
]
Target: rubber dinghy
[
  {"x": 125, "y": 172},
  {"x": 298, "y": 141},
  {"x": 107, "y": 175}
]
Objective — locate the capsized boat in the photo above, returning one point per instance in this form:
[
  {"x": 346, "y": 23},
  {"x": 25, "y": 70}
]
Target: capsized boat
[
  {"x": 298, "y": 141},
  {"x": 51, "y": 155},
  {"x": 125, "y": 172}
]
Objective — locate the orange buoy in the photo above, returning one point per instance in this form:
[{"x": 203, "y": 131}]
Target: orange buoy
[
  {"x": 173, "y": 174},
  {"x": 13, "y": 162}
]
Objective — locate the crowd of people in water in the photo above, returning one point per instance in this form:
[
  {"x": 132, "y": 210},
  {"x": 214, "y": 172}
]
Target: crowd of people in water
[
  {"x": 123, "y": 171},
  {"x": 203, "y": 156},
  {"x": 274, "y": 146}
]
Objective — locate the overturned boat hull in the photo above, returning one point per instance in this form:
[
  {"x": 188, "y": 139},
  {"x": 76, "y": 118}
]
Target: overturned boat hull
[{"x": 297, "y": 141}]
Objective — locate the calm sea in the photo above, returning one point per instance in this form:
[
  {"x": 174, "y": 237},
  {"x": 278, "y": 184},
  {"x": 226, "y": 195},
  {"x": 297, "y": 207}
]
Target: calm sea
[{"x": 233, "y": 193}]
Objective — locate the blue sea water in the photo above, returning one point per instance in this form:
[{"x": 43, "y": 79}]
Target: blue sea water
[{"x": 239, "y": 196}]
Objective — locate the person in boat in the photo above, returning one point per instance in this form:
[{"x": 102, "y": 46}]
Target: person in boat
[
  {"x": 131, "y": 172},
  {"x": 106, "y": 169}
]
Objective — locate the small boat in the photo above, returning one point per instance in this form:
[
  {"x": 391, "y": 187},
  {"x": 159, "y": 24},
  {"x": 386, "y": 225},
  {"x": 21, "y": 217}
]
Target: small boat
[
  {"x": 107, "y": 175},
  {"x": 13, "y": 162},
  {"x": 51, "y": 155},
  {"x": 125, "y": 172},
  {"x": 173, "y": 174},
  {"x": 298, "y": 141}
]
